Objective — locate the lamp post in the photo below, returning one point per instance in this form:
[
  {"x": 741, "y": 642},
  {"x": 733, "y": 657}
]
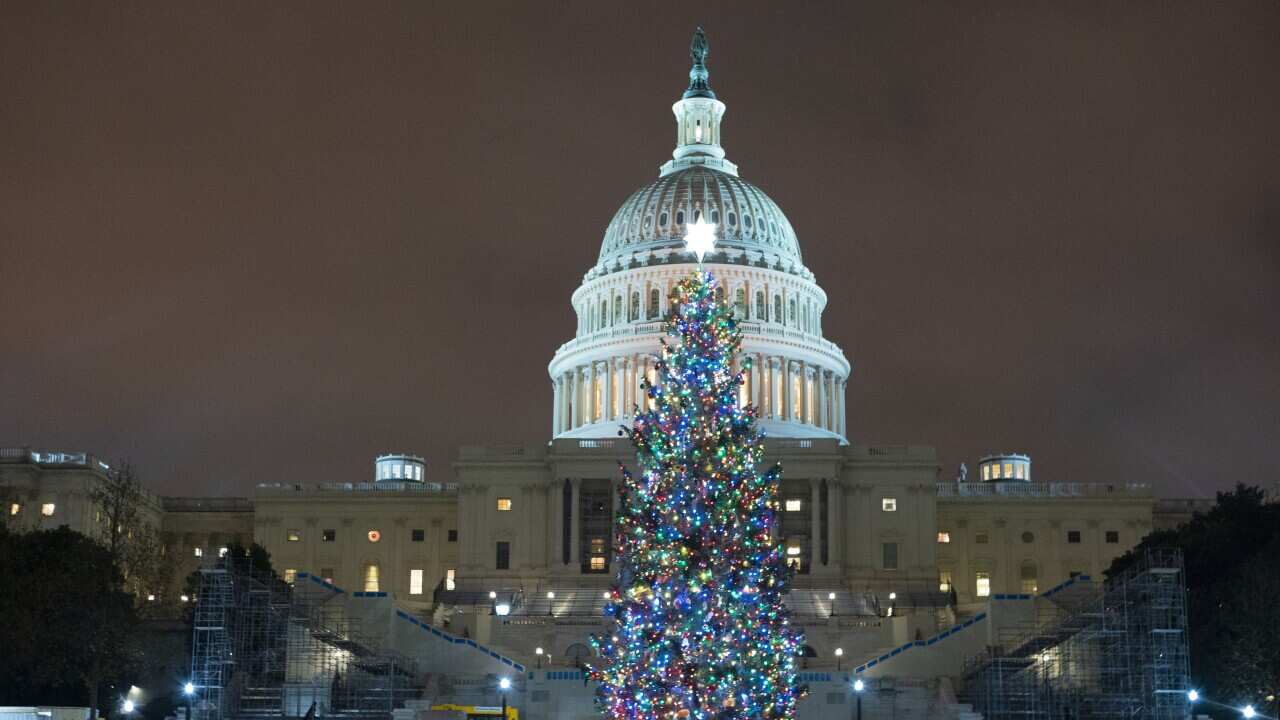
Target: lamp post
[
  {"x": 538, "y": 652},
  {"x": 503, "y": 686},
  {"x": 839, "y": 658},
  {"x": 188, "y": 690},
  {"x": 551, "y": 595},
  {"x": 858, "y": 687},
  {"x": 832, "y": 597}
]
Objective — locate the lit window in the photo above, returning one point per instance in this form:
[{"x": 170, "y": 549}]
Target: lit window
[
  {"x": 889, "y": 504},
  {"x": 417, "y": 472},
  {"x": 982, "y": 584},
  {"x": 290, "y": 574},
  {"x": 374, "y": 536},
  {"x": 415, "y": 581},
  {"x": 944, "y": 581},
  {"x": 889, "y": 552},
  {"x": 944, "y": 536},
  {"x": 1008, "y": 471},
  {"x": 794, "y": 505},
  {"x": 371, "y": 577},
  {"x": 986, "y": 472},
  {"x": 328, "y": 535},
  {"x": 995, "y": 471},
  {"x": 793, "y": 551},
  {"x": 448, "y": 579},
  {"x": 504, "y": 504},
  {"x": 47, "y": 509},
  {"x": 1020, "y": 471},
  {"x": 597, "y": 562},
  {"x": 186, "y": 598},
  {"x": 294, "y": 536},
  {"x": 222, "y": 552},
  {"x": 980, "y": 538},
  {"x": 15, "y": 508},
  {"x": 199, "y": 552},
  {"x": 1028, "y": 577}
]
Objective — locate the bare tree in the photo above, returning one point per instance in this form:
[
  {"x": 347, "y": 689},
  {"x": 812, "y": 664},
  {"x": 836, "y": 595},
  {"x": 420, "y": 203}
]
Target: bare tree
[{"x": 133, "y": 543}]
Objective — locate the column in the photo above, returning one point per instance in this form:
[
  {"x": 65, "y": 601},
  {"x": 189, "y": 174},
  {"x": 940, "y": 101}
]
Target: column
[
  {"x": 775, "y": 392},
  {"x": 840, "y": 405},
  {"x": 816, "y": 530},
  {"x": 757, "y": 369},
  {"x": 555, "y": 407},
  {"x": 606, "y": 390},
  {"x": 629, "y": 380},
  {"x": 835, "y": 531},
  {"x": 589, "y": 388},
  {"x": 556, "y": 515},
  {"x": 566, "y": 412},
  {"x": 806, "y": 373},
  {"x": 575, "y": 540},
  {"x": 820, "y": 398},
  {"x": 786, "y": 389},
  {"x": 575, "y": 398}
]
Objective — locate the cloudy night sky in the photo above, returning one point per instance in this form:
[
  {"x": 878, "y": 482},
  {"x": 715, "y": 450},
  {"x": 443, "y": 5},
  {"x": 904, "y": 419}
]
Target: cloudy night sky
[{"x": 264, "y": 242}]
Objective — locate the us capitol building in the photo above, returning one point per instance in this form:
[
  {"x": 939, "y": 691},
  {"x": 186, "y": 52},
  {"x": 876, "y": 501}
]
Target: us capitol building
[{"x": 513, "y": 548}]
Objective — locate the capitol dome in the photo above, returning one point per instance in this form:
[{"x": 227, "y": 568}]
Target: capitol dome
[
  {"x": 794, "y": 376},
  {"x": 650, "y": 224}
]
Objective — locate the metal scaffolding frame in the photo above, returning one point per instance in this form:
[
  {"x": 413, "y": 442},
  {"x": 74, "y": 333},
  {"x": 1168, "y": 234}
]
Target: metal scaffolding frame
[
  {"x": 1115, "y": 651},
  {"x": 262, "y": 649}
]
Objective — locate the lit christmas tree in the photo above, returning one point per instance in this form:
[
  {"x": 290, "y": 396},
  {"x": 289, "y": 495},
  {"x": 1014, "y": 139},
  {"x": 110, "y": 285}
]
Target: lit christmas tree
[{"x": 695, "y": 624}]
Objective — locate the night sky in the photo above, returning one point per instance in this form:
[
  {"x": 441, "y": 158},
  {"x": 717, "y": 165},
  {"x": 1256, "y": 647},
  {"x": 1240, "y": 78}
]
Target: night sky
[{"x": 263, "y": 242}]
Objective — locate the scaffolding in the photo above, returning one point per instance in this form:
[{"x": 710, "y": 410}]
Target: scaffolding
[
  {"x": 262, "y": 649},
  {"x": 1113, "y": 651}
]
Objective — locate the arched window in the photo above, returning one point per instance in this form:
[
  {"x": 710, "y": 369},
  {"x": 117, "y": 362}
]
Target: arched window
[
  {"x": 577, "y": 652},
  {"x": 804, "y": 316},
  {"x": 777, "y": 308},
  {"x": 1028, "y": 576},
  {"x": 740, "y": 303},
  {"x": 733, "y": 220},
  {"x": 697, "y": 216},
  {"x": 662, "y": 220},
  {"x": 654, "y": 297},
  {"x": 715, "y": 216},
  {"x": 679, "y": 217},
  {"x": 617, "y": 309},
  {"x": 604, "y": 313},
  {"x": 746, "y": 221},
  {"x": 720, "y": 293},
  {"x": 761, "y": 314},
  {"x": 647, "y": 220},
  {"x": 634, "y": 313},
  {"x": 791, "y": 308},
  {"x": 371, "y": 577}
]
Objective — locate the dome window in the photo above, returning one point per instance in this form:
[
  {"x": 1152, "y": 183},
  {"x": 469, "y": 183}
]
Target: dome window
[
  {"x": 662, "y": 219},
  {"x": 715, "y": 216},
  {"x": 733, "y": 220},
  {"x": 679, "y": 217},
  {"x": 746, "y": 221},
  {"x": 647, "y": 221}
]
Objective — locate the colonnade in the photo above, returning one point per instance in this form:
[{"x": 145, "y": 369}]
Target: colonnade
[{"x": 783, "y": 389}]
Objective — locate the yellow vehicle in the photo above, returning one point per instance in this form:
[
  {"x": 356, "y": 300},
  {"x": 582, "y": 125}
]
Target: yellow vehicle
[{"x": 481, "y": 712}]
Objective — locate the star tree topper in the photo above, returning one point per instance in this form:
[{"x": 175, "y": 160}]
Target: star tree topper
[{"x": 700, "y": 238}]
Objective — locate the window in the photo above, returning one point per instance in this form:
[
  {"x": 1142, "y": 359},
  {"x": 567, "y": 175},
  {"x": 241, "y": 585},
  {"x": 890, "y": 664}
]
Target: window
[
  {"x": 944, "y": 581},
  {"x": 733, "y": 220},
  {"x": 417, "y": 535},
  {"x": 290, "y": 574},
  {"x": 449, "y": 583},
  {"x": 794, "y": 505},
  {"x": 662, "y": 219},
  {"x": 453, "y": 536},
  {"x": 889, "y": 555},
  {"x": 47, "y": 509},
  {"x": 791, "y": 311},
  {"x": 374, "y": 536},
  {"x": 740, "y": 302},
  {"x": 328, "y": 535},
  {"x": 504, "y": 504},
  {"x": 1028, "y": 537},
  {"x": 1028, "y": 577},
  {"x": 222, "y": 552},
  {"x": 597, "y": 563},
  {"x": 995, "y": 471},
  {"x": 1073, "y": 537},
  {"x": 654, "y": 297},
  {"x": 293, "y": 535},
  {"x": 679, "y": 217},
  {"x": 777, "y": 308},
  {"x": 1019, "y": 471},
  {"x": 371, "y": 572},
  {"x": 1008, "y": 471},
  {"x": 761, "y": 314},
  {"x": 198, "y": 552},
  {"x": 15, "y": 508},
  {"x": 746, "y": 221},
  {"x": 633, "y": 312},
  {"x": 986, "y": 472},
  {"x": 326, "y": 574},
  {"x": 889, "y": 504},
  {"x": 715, "y": 216},
  {"x": 503, "y": 561},
  {"x": 1113, "y": 536},
  {"x": 944, "y": 536},
  {"x": 982, "y": 584},
  {"x": 980, "y": 538},
  {"x": 415, "y": 581}
]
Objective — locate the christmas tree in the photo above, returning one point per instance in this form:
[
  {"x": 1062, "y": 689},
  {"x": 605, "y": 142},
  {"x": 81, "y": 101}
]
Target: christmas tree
[{"x": 695, "y": 624}]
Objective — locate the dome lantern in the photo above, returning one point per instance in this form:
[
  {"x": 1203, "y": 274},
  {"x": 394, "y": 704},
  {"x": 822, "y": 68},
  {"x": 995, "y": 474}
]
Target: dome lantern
[{"x": 698, "y": 114}]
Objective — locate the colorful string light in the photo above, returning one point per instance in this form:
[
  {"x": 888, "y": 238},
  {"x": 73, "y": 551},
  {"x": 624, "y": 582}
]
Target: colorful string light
[{"x": 695, "y": 623}]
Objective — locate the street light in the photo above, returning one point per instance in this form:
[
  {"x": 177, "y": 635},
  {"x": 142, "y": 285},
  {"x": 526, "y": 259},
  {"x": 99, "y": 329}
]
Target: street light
[
  {"x": 127, "y": 706},
  {"x": 1248, "y": 712},
  {"x": 858, "y": 687},
  {"x": 551, "y": 595},
  {"x": 1192, "y": 695},
  {"x": 503, "y": 686},
  {"x": 502, "y": 609},
  {"x": 538, "y": 652},
  {"x": 188, "y": 690},
  {"x": 839, "y": 657}
]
